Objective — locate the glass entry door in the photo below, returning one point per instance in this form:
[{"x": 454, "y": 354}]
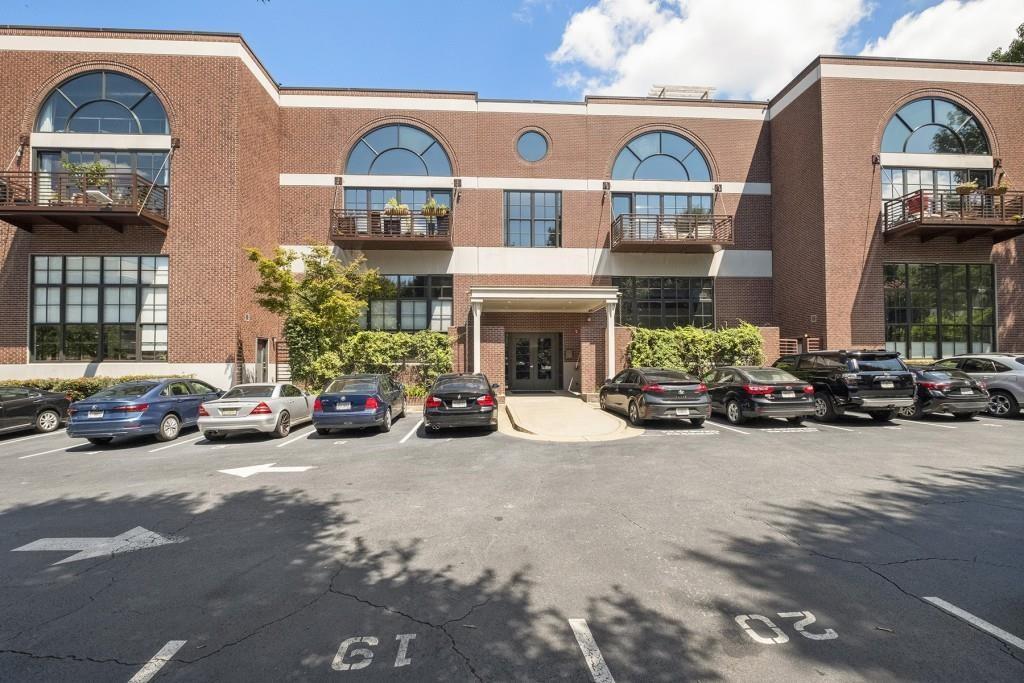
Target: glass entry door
[{"x": 533, "y": 361}]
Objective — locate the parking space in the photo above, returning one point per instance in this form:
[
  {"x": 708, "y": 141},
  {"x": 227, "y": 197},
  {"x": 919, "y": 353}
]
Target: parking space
[{"x": 853, "y": 550}]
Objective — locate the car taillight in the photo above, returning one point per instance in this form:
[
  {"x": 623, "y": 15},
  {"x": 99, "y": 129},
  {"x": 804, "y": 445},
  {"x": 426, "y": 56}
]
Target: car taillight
[
  {"x": 758, "y": 389},
  {"x": 850, "y": 378},
  {"x": 702, "y": 388},
  {"x": 937, "y": 386},
  {"x": 133, "y": 408},
  {"x": 432, "y": 402},
  {"x": 982, "y": 385},
  {"x": 261, "y": 409},
  {"x": 202, "y": 411},
  {"x": 371, "y": 403},
  {"x": 318, "y": 405},
  {"x": 72, "y": 411},
  {"x": 652, "y": 389},
  {"x": 808, "y": 389},
  {"x": 485, "y": 400}
]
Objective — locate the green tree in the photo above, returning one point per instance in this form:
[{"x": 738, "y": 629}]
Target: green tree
[
  {"x": 320, "y": 306},
  {"x": 1013, "y": 53}
]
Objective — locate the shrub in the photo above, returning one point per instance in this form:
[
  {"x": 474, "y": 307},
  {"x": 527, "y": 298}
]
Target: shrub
[
  {"x": 76, "y": 387},
  {"x": 695, "y": 350},
  {"x": 416, "y": 358}
]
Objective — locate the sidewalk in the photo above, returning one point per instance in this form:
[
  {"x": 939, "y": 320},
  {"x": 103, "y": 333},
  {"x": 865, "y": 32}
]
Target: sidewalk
[{"x": 563, "y": 418}]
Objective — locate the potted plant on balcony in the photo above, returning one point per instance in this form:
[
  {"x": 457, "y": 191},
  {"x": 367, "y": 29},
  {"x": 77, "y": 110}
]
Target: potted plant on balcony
[
  {"x": 84, "y": 177},
  {"x": 394, "y": 215},
  {"x": 998, "y": 189},
  {"x": 967, "y": 187}
]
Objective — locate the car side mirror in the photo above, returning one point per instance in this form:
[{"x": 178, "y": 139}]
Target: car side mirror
[
  {"x": 495, "y": 386},
  {"x": 608, "y": 380}
]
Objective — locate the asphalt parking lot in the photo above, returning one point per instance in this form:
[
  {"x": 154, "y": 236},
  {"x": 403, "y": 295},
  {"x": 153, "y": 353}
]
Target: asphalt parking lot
[{"x": 849, "y": 551}]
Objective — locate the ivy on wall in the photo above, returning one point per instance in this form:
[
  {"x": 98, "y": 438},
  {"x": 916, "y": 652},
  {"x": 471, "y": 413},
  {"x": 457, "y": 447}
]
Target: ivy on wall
[{"x": 695, "y": 350}]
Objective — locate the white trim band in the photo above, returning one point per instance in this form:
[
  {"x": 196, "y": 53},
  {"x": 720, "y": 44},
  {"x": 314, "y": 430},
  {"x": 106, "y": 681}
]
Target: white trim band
[
  {"x": 978, "y": 161},
  {"x": 100, "y": 141}
]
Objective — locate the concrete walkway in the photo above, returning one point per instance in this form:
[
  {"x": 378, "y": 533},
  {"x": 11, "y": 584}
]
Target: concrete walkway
[{"x": 563, "y": 418}]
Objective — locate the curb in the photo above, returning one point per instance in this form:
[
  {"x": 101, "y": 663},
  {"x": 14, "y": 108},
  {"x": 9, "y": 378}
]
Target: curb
[{"x": 515, "y": 422}]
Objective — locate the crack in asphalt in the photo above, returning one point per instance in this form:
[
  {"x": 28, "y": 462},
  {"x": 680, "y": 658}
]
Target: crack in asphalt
[
  {"x": 73, "y": 658},
  {"x": 89, "y": 601}
]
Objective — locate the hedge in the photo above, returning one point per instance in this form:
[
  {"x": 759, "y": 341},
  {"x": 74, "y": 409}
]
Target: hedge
[
  {"x": 416, "y": 358},
  {"x": 77, "y": 387},
  {"x": 695, "y": 350}
]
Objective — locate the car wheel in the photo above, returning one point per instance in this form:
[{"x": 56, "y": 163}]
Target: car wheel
[
  {"x": 913, "y": 412},
  {"x": 385, "y": 426},
  {"x": 634, "y": 414},
  {"x": 284, "y": 425},
  {"x": 323, "y": 431},
  {"x": 100, "y": 440},
  {"x": 169, "y": 429},
  {"x": 824, "y": 407},
  {"x": 733, "y": 413},
  {"x": 1002, "y": 404},
  {"x": 697, "y": 421},
  {"x": 47, "y": 421},
  {"x": 883, "y": 415},
  {"x": 213, "y": 436},
  {"x": 796, "y": 421},
  {"x": 964, "y": 416}
]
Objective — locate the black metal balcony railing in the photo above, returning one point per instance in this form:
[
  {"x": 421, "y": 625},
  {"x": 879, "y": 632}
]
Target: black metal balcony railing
[
  {"x": 358, "y": 226},
  {"x": 669, "y": 232},
  {"x": 930, "y": 214},
  {"x": 29, "y": 198}
]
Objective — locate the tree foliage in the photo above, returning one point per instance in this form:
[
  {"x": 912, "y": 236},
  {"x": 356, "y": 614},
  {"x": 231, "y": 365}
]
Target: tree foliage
[
  {"x": 321, "y": 306},
  {"x": 417, "y": 358},
  {"x": 1014, "y": 52},
  {"x": 695, "y": 350}
]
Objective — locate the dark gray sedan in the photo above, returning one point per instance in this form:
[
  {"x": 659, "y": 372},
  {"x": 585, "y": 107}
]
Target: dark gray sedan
[{"x": 656, "y": 394}]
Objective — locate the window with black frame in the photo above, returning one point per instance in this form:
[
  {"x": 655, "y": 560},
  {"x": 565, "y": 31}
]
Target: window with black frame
[
  {"x": 94, "y": 308},
  {"x": 664, "y": 302},
  {"x": 935, "y": 310},
  {"x": 411, "y": 303},
  {"x": 533, "y": 219}
]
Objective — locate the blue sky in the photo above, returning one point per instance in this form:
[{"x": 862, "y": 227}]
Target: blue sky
[{"x": 499, "y": 48}]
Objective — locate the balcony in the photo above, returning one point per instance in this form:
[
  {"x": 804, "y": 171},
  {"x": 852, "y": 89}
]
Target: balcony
[
  {"x": 117, "y": 200},
  {"x": 373, "y": 229},
  {"x": 685, "y": 232},
  {"x": 928, "y": 214}
]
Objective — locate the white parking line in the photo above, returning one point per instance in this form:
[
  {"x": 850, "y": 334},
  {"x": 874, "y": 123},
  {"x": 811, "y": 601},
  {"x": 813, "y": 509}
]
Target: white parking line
[
  {"x": 986, "y": 424},
  {"x": 411, "y": 432},
  {"x": 34, "y": 436},
  {"x": 891, "y": 427},
  {"x": 591, "y": 654},
  {"x": 788, "y": 430},
  {"x": 157, "y": 662},
  {"x": 297, "y": 438},
  {"x": 178, "y": 443},
  {"x": 340, "y": 443},
  {"x": 926, "y": 424},
  {"x": 842, "y": 429},
  {"x": 731, "y": 429},
  {"x": 977, "y": 623},
  {"x": 23, "y": 457}
]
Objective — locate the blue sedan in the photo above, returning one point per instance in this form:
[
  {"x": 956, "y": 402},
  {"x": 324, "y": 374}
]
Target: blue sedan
[
  {"x": 357, "y": 402},
  {"x": 160, "y": 407}
]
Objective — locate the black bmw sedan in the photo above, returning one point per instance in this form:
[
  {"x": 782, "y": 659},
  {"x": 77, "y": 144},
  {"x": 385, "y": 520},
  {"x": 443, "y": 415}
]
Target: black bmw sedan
[
  {"x": 656, "y": 394},
  {"x": 461, "y": 400},
  {"x": 744, "y": 392}
]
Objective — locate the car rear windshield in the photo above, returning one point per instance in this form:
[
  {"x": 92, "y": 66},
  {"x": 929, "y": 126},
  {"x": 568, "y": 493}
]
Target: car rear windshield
[
  {"x": 460, "y": 385},
  {"x": 667, "y": 377},
  {"x": 880, "y": 364},
  {"x": 126, "y": 390},
  {"x": 352, "y": 385},
  {"x": 253, "y": 391},
  {"x": 770, "y": 375}
]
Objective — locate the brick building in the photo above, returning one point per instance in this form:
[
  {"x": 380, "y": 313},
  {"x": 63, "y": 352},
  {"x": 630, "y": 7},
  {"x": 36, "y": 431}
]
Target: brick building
[{"x": 532, "y": 232}]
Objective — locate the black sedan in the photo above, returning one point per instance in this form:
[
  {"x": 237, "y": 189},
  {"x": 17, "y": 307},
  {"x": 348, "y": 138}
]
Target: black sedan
[
  {"x": 30, "y": 408},
  {"x": 656, "y": 394},
  {"x": 946, "y": 391},
  {"x": 743, "y": 392},
  {"x": 461, "y": 400}
]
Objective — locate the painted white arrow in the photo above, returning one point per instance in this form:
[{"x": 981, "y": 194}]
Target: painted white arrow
[
  {"x": 134, "y": 539},
  {"x": 245, "y": 472}
]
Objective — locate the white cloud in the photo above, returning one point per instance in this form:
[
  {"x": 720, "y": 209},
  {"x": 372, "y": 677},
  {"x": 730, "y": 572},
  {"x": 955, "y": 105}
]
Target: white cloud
[
  {"x": 744, "y": 48},
  {"x": 952, "y": 29}
]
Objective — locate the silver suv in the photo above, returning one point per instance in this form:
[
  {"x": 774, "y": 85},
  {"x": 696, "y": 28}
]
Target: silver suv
[{"x": 1003, "y": 374}]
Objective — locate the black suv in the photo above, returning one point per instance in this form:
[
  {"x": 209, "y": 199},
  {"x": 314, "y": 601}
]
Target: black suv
[{"x": 872, "y": 382}]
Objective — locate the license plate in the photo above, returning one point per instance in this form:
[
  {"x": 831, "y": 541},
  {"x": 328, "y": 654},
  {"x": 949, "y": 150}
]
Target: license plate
[
  {"x": 458, "y": 404},
  {"x": 343, "y": 406},
  {"x": 887, "y": 385},
  {"x": 682, "y": 411},
  {"x": 229, "y": 411},
  {"x": 95, "y": 413},
  {"x": 966, "y": 391},
  {"x": 788, "y": 394}
]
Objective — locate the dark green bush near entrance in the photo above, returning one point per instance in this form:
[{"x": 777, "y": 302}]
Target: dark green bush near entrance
[
  {"x": 695, "y": 350},
  {"x": 416, "y": 359},
  {"x": 77, "y": 387}
]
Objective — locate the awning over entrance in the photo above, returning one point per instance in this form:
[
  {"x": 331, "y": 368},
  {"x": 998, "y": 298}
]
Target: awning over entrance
[{"x": 544, "y": 300}]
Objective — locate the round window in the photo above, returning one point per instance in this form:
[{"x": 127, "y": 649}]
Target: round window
[{"x": 532, "y": 146}]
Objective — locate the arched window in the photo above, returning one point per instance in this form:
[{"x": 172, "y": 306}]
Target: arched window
[
  {"x": 934, "y": 126},
  {"x": 660, "y": 156},
  {"x": 102, "y": 102},
  {"x": 398, "y": 150}
]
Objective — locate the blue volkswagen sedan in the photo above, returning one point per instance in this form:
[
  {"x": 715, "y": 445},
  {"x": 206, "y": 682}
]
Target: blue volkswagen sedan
[
  {"x": 357, "y": 402},
  {"x": 161, "y": 407}
]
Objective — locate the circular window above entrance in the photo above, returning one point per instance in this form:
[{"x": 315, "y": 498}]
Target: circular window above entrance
[{"x": 532, "y": 146}]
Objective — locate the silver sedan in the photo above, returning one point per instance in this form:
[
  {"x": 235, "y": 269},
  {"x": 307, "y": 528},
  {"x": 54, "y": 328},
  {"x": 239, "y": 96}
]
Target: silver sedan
[{"x": 246, "y": 408}]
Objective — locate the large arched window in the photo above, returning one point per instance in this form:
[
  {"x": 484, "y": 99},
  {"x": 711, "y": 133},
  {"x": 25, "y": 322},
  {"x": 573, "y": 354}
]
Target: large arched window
[
  {"x": 102, "y": 102},
  {"x": 934, "y": 126},
  {"x": 398, "y": 150},
  {"x": 660, "y": 156}
]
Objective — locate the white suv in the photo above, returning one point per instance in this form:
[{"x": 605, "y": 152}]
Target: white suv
[{"x": 1002, "y": 373}]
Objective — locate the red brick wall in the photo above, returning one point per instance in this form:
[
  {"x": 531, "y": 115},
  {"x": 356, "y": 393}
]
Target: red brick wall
[{"x": 743, "y": 299}]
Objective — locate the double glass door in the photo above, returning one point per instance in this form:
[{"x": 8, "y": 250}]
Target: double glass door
[{"x": 533, "y": 361}]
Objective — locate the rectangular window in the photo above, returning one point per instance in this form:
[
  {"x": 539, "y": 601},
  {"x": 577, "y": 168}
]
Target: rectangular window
[
  {"x": 664, "y": 302},
  {"x": 92, "y": 308},
  {"x": 935, "y": 310},
  {"x": 659, "y": 204},
  {"x": 533, "y": 219},
  {"x": 897, "y": 182},
  {"x": 410, "y": 303}
]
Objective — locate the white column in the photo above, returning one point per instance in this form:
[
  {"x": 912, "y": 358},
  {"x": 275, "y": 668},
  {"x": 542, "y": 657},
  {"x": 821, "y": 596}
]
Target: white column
[
  {"x": 477, "y": 307},
  {"x": 609, "y": 344}
]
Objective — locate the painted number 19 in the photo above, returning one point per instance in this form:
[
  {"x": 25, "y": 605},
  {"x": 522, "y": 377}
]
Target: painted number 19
[{"x": 777, "y": 637}]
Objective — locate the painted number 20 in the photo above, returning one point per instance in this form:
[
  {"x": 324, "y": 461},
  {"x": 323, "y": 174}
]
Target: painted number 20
[{"x": 778, "y": 637}]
